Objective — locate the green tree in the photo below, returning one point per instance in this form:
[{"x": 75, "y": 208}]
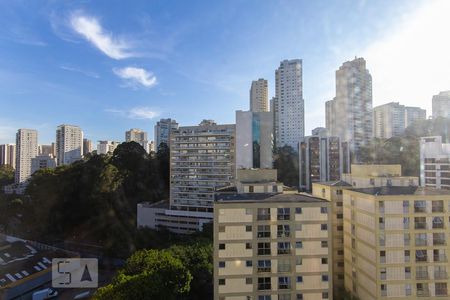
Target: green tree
[
  {"x": 6, "y": 175},
  {"x": 149, "y": 274},
  {"x": 286, "y": 163}
]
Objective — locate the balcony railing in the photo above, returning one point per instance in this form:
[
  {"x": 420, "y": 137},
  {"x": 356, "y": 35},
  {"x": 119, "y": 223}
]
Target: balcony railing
[
  {"x": 423, "y": 293},
  {"x": 440, "y": 275},
  {"x": 439, "y": 241},
  {"x": 421, "y": 242},
  {"x": 422, "y": 275},
  {"x": 441, "y": 292},
  {"x": 440, "y": 257},
  {"x": 420, "y": 225}
]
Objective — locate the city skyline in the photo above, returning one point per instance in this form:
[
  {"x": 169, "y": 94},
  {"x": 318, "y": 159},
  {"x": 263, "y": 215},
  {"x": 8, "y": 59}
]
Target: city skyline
[{"x": 87, "y": 60}]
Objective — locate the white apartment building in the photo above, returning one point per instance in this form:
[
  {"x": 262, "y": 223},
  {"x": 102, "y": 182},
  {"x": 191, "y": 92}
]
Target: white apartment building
[
  {"x": 69, "y": 144},
  {"x": 270, "y": 244},
  {"x": 259, "y": 96},
  {"x": 434, "y": 162},
  {"x": 441, "y": 105},
  {"x": 87, "y": 147},
  {"x": 8, "y": 155},
  {"x": 106, "y": 147},
  {"x": 26, "y": 149},
  {"x": 289, "y": 104},
  {"x": 138, "y": 136},
  {"x": 163, "y": 128},
  {"x": 42, "y": 162},
  {"x": 349, "y": 114}
]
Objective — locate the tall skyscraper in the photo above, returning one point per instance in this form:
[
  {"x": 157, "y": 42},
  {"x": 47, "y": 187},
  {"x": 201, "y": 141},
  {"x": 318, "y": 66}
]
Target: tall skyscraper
[
  {"x": 434, "y": 162},
  {"x": 349, "y": 115},
  {"x": 254, "y": 140},
  {"x": 202, "y": 159},
  {"x": 46, "y": 150},
  {"x": 290, "y": 106},
  {"x": 138, "y": 136},
  {"x": 441, "y": 105},
  {"x": 8, "y": 155},
  {"x": 69, "y": 144},
  {"x": 87, "y": 147},
  {"x": 321, "y": 159},
  {"x": 391, "y": 119},
  {"x": 163, "y": 128},
  {"x": 259, "y": 96},
  {"x": 26, "y": 149}
]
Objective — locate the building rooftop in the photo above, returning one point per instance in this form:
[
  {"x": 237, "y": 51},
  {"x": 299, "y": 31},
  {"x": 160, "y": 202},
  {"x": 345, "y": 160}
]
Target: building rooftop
[
  {"x": 334, "y": 183},
  {"x": 266, "y": 197},
  {"x": 402, "y": 190},
  {"x": 160, "y": 204}
]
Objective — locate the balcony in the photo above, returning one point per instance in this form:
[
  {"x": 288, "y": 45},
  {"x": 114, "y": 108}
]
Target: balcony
[
  {"x": 263, "y": 217},
  {"x": 422, "y": 275},
  {"x": 440, "y": 275},
  {"x": 420, "y": 225},
  {"x": 438, "y": 241},
  {"x": 283, "y": 251},
  {"x": 423, "y": 293},
  {"x": 441, "y": 292},
  {"x": 421, "y": 242},
  {"x": 439, "y": 258}
]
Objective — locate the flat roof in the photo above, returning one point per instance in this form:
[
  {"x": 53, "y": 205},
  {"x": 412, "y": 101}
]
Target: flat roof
[
  {"x": 160, "y": 204},
  {"x": 402, "y": 190},
  {"x": 266, "y": 197},
  {"x": 334, "y": 183}
]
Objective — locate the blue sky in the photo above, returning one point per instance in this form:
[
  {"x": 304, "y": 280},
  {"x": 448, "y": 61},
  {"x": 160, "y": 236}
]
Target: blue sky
[{"x": 109, "y": 66}]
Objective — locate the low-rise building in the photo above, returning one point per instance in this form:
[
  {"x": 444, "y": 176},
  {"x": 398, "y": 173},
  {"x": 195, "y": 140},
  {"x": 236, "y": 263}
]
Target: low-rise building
[
  {"x": 364, "y": 176},
  {"x": 42, "y": 162}
]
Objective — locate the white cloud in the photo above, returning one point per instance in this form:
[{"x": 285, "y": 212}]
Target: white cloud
[
  {"x": 411, "y": 62},
  {"x": 135, "y": 77},
  {"x": 137, "y": 113},
  {"x": 78, "y": 70},
  {"x": 90, "y": 28}
]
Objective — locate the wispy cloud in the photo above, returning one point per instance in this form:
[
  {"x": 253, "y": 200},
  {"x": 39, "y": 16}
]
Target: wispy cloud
[
  {"x": 135, "y": 77},
  {"x": 89, "y": 27},
  {"x": 78, "y": 70},
  {"x": 137, "y": 113}
]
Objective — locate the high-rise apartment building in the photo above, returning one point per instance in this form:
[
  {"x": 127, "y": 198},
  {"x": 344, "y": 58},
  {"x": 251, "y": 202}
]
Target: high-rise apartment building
[
  {"x": 202, "y": 159},
  {"x": 26, "y": 149},
  {"x": 254, "y": 140},
  {"x": 391, "y": 119},
  {"x": 106, "y": 147},
  {"x": 8, "y": 155},
  {"x": 138, "y": 136},
  {"x": 321, "y": 158},
  {"x": 43, "y": 162},
  {"x": 163, "y": 128},
  {"x": 434, "y": 162},
  {"x": 259, "y": 96},
  {"x": 47, "y": 150},
  {"x": 349, "y": 114},
  {"x": 87, "y": 147},
  {"x": 270, "y": 244},
  {"x": 441, "y": 105},
  {"x": 290, "y": 105},
  {"x": 69, "y": 144},
  {"x": 319, "y": 131},
  {"x": 396, "y": 242}
]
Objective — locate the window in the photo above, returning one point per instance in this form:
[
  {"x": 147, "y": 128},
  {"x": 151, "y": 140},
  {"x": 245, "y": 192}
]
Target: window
[
  {"x": 248, "y": 280},
  {"x": 420, "y": 206},
  {"x": 323, "y": 210},
  {"x": 339, "y": 216},
  {"x": 284, "y": 265},
  {"x": 299, "y": 296},
  {"x": 340, "y": 252},
  {"x": 299, "y": 244},
  {"x": 249, "y": 211},
  {"x": 283, "y": 231},
  {"x": 284, "y": 283},
  {"x": 298, "y": 210},
  {"x": 406, "y": 206},
  {"x": 250, "y": 189},
  {"x": 438, "y": 222},
  {"x": 284, "y": 248},
  {"x": 263, "y": 214},
  {"x": 248, "y": 263},
  {"x": 382, "y": 257},
  {"x": 298, "y": 261},
  {"x": 283, "y": 213},
  {"x": 299, "y": 279},
  {"x": 221, "y": 246},
  {"x": 264, "y": 297},
  {"x": 437, "y": 206},
  {"x": 340, "y": 228},
  {"x": 263, "y": 231},
  {"x": 324, "y": 261},
  {"x": 221, "y": 281},
  {"x": 421, "y": 256},
  {"x": 325, "y": 295},
  {"x": 338, "y": 192},
  {"x": 248, "y": 246},
  {"x": 372, "y": 181},
  {"x": 324, "y": 278},
  {"x": 324, "y": 244},
  {"x": 221, "y": 228},
  {"x": 221, "y": 264},
  {"x": 263, "y": 248},
  {"x": 248, "y": 228},
  {"x": 264, "y": 266},
  {"x": 264, "y": 284},
  {"x": 323, "y": 226},
  {"x": 298, "y": 227}
]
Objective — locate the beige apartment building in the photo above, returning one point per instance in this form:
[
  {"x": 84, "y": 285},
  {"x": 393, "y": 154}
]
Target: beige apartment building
[
  {"x": 364, "y": 176},
  {"x": 270, "y": 244},
  {"x": 395, "y": 242}
]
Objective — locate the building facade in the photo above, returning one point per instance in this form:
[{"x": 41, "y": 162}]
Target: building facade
[
  {"x": 26, "y": 149},
  {"x": 395, "y": 243},
  {"x": 290, "y": 105},
  {"x": 254, "y": 140},
  {"x": 271, "y": 245},
  {"x": 414, "y": 114},
  {"x": 42, "y": 162},
  {"x": 321, "y": 159},
  {"x": 106, "y": 147},
  {"x": 163, "y": 128},
  {"x": 259, "y": 96},
  {"x": 441, "y": 105},
  {"x": 87, "y": 147},
  {"x": 365, "y": 176},
  {"x": 69, "y": 144},
  {"x": 8, "y": 155},
  {"x": 434, "y": 162},
  {"x": 138, "y": 136},
  {"x": 349, "y": 114}
]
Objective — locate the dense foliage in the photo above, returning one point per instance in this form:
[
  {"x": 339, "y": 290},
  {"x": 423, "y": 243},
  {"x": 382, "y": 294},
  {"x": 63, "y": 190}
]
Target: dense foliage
[
  {"x": 6, "y": 175},
  {"x": 286, "y": 163}
]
